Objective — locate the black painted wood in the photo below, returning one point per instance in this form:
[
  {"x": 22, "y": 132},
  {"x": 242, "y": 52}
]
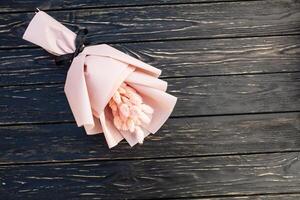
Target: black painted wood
[
  {"x": 196, "y": 96},
  {"x": 286, "y": 196},
  {"x": 230, "y": 136},
  {"x": 175, "y": 58},
  {"x": 225, "y": 19},
  {"x": 29, "y": 6},
  {"x": 197, "y": 136},
  {"x": 154, "y": 178}
]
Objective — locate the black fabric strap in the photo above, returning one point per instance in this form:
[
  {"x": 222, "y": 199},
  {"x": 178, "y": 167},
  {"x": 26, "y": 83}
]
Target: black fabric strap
[{"x": 80, "y": 43}]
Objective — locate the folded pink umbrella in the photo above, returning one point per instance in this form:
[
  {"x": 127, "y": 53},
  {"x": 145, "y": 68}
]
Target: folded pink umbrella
[{"x": 108, "y": 91}]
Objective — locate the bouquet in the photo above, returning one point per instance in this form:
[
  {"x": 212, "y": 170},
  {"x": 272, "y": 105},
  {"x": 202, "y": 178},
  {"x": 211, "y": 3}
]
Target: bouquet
[{"x": 108, "y": 91}]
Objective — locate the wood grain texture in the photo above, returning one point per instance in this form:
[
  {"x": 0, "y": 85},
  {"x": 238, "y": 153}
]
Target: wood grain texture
[
  {"x": 29, "y": 6},
  {"x": 199, "y": 136},
  {"x": 230, "y": 136},
  {"x": 196, "y": 96},
  {"x": 175, "y": 58},
  {"x": 188, "y": 21},
  {"x": 148, "y": 179},
  {"x": 285, "y": 196}
]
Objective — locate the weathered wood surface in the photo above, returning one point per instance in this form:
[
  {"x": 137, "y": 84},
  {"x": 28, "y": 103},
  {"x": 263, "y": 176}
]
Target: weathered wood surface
[
  {"x": 175, "y": 58},
  {"x": 186, "y": 21},
  {"x": 216, "y": 95},
  {"x": 154, "y": 178},
  {"x": 29, "y": 6},
  {"x": 197, "y": 136},
  {"x": 286, "y": 196},
  {"x": 234, "y": 133}
]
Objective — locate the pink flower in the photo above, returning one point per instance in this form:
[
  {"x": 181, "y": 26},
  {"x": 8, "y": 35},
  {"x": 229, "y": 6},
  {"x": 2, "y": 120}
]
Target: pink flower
[{"x": 129, "y": 111}]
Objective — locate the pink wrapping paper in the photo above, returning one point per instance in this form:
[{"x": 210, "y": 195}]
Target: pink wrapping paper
[{"x": 95, "y": 75}]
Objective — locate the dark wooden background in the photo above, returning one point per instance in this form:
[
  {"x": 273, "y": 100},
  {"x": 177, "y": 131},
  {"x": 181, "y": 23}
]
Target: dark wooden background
[{"x": 235, "y": 131}]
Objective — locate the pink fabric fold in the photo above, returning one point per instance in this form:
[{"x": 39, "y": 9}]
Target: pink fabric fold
[{"x": 95, "y": 75}]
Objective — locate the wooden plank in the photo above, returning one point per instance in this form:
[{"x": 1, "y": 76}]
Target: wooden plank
[
  {"x": 196, "y": 96},
  {"x": 175, "y": 58},
  {"x": 257, "y": 197},
  {"x": 214, "y": 20},
  {"x": 199, "y": 136},
  {"x": 154, "y": 178},
  {"x": 29, "y": 6}
]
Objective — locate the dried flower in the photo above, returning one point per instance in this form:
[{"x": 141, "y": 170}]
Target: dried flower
[{"x": 129, "y": 111}]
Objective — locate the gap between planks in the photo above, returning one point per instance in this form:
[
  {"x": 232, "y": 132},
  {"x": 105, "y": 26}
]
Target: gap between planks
[
  {"x": 171, "y": 117},
  {"x": 126, "y": 6},
  {"x": 93, "y": 160},
  {"x": 277, "y": 196},
  {"x": 172, "y": 40},
  {"x": 164, "y": 78},
  {"x": 147, "y": 158}
]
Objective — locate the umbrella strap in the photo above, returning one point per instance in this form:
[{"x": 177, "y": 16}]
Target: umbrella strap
[{"x": 80, "y": 42}]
